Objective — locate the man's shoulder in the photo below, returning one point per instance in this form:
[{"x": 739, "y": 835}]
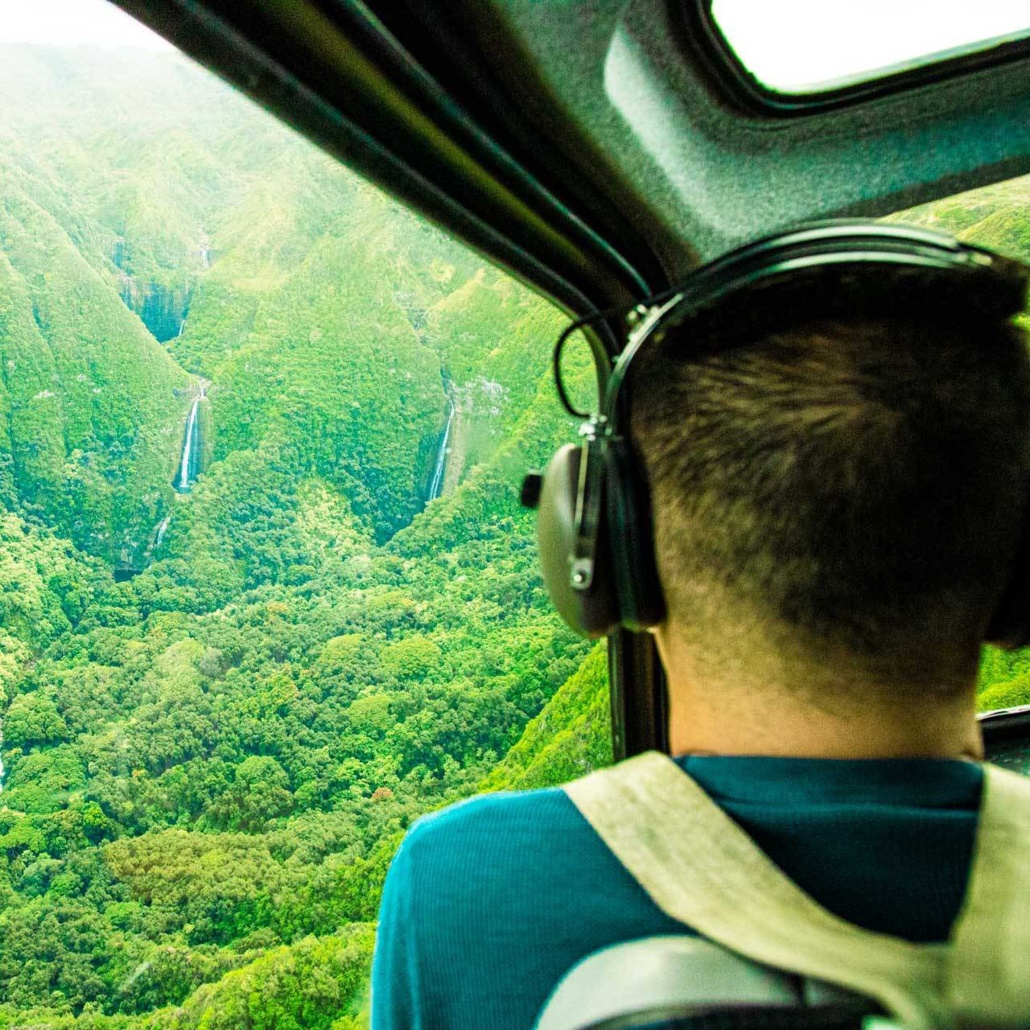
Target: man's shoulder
[
  {"x": 498, "y": 827},
  {"x": 500, "y": 866},
  {"x": 530, "y": 853},
  {"x": 490, "y": 901}
]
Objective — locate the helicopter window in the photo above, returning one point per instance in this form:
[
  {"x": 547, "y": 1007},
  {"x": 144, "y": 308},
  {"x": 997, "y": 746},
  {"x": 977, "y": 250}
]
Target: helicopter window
[
  {"x": 809, "y": 46},
  {"x": 266, "y": 590}
]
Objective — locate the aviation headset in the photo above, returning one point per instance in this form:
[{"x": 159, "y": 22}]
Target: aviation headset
[{"x": 594, "y": 514}]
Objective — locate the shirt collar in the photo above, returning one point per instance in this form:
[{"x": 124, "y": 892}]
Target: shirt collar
[{"x": 918, "y": 782}]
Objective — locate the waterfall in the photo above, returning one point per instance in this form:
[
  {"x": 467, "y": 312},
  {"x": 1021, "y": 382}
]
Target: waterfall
[
  {"x": 160, "y": 534},
  {"x": 187, "y": 448},
  {"x": 189, "y": 464},
  {"x": 436, "y": 483}
]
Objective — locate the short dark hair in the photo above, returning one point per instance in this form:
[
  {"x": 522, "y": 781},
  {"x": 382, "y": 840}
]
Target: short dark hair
[{"x": 862, "y": 479}]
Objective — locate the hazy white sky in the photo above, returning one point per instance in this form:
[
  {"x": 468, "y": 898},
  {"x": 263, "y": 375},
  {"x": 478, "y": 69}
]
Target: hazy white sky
[
  {"x": 73, "y": 21},
  {"x": 790, "y": 44}
]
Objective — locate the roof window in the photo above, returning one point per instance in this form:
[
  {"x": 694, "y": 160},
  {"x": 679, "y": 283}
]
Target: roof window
[{"x": 811, "y": 46}]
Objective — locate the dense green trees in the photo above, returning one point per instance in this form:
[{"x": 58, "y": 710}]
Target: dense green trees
[{"x": 207, "y": 768}]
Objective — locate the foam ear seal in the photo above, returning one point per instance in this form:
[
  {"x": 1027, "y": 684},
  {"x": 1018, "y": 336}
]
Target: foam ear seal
[
  {"x": 631, "y": 539},
  {"x": 593, "y": 612}
]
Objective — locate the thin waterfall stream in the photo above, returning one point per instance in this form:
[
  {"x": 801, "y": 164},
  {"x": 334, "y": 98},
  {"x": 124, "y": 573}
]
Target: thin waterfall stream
[
  {"x": 189, "y": 463},
  {"x": 185, "y": 476},
  {"x": 161, "y": 529},
  {"x": 188, "y": 448},
  {"x": 440, "y": 468}
]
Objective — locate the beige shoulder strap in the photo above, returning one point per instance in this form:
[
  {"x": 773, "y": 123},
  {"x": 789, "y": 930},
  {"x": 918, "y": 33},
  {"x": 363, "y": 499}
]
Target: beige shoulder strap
[
  {"x": 989, "y": 978},
  {"x": 703, "y": 870}
]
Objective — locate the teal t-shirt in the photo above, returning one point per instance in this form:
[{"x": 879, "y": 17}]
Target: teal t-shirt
[{"x": 488, "y": 903}]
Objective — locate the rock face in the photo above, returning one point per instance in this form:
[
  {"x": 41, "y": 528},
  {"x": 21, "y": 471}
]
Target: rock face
[{"x": 162, "y": 309}]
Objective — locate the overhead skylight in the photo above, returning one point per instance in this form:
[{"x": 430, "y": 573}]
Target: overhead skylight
[{"x": 808, "y": 46}]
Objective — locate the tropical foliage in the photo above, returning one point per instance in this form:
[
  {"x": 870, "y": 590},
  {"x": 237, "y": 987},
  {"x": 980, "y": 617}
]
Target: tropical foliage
[{"x": 209, "y": 762}]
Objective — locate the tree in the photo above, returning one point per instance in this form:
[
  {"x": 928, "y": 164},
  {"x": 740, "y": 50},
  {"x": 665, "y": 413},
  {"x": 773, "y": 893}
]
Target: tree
[{"x": 258, "y": 794}]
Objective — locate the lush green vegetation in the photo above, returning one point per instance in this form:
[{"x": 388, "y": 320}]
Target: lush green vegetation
[{"x": 207, "y": 767}]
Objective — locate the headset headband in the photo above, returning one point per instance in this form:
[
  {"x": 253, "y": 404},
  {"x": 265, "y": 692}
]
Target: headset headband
[{"x": 840, "y": 242}]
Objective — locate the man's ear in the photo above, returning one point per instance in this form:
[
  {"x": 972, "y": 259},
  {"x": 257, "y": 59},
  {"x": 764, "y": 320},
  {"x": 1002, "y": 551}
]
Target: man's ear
[{"x": 663, "y": 634}]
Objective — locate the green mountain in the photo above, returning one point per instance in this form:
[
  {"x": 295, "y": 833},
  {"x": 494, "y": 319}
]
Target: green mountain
[
  {"x": 336, "y": 626},
  {"x": 90, "y": 402},
  {"x": 994, "y": 216}
]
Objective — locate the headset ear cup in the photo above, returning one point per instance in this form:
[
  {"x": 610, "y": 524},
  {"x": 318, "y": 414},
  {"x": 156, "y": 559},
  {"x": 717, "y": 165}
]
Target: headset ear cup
[
  {"x": 1009, "y": 627},
  {"x": 594, "y": 611},
  {"x": 631, "y": 540}
]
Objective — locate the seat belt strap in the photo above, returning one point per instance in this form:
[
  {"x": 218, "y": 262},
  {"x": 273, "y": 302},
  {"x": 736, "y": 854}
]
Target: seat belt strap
[
  {"x": 989, "y": 964},
  {"x": 703, "y": 870}
]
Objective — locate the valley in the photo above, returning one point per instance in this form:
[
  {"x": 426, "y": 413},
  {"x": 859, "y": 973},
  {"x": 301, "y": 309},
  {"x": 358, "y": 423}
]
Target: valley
[{"x": 266, "y": 593}]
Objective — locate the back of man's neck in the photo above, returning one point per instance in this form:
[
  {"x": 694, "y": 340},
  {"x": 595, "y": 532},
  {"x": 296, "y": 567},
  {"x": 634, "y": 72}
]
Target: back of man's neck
[
  {"x": 768, "y": 691},
  {"x": 767, "y": 723}
]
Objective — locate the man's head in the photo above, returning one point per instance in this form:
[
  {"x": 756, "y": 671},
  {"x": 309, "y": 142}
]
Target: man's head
[{"x": 847, "y": 491}]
